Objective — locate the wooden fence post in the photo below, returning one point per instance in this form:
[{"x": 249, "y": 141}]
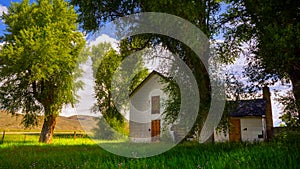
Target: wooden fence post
[
  {"x": 3, "y": 135},
  {"x": 24, "y": 138}
]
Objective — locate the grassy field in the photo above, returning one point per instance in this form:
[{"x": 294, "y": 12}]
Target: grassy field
[{"x": 65, "y": 152}]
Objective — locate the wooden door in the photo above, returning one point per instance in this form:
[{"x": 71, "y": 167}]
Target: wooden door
[
  {"x": 155, "y": 130},
  {"x": 235, "y": 130}
]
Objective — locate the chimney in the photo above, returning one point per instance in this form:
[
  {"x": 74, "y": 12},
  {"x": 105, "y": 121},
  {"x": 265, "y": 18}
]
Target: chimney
[{"x": 269, "y": 117}]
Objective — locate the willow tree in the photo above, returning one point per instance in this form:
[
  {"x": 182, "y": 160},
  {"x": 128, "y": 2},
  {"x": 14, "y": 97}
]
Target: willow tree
[
  {"x": 39, "y": 61},
  {"x": 111, "y": 82}
]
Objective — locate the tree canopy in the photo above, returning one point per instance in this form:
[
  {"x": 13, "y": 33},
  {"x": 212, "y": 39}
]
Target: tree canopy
[
  {"x": 95, "y": 13},
  {"x": 39, "y": 61},
  {"x": 271, "y": 30},
  {"x": 110, "y": 88}
]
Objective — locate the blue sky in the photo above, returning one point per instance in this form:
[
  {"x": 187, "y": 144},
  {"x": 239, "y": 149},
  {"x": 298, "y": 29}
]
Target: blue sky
[
  {"x": 3, "y": 8},
  {"x": 4, "y": 4}
]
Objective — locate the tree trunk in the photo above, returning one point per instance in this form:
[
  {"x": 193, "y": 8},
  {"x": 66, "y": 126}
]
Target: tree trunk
[
  {"x": 296, "y": 89},
  {"x": 48, "y": 129}
]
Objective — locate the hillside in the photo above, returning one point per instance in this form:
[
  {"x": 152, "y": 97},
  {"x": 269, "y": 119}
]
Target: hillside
[{"x": 13, "y": 123}]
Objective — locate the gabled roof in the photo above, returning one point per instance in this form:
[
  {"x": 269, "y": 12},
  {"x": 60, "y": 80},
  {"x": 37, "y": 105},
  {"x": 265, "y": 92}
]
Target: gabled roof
[
  {"x": 145, "y": 81},
  {"x": 256, "y": 107}
]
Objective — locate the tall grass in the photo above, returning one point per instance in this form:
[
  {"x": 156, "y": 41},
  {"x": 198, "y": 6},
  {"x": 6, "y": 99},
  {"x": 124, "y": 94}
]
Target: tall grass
[
  {"x": 65, "y": 152},
  {"x": 32, "y": 139}
]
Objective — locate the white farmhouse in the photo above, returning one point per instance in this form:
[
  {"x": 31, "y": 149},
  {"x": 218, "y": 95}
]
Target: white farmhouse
[
  {"x": 250, "y": 120},
  {"x": 146, "y": 121}
]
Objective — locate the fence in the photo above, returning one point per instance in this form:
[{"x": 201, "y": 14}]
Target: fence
[{"x": 23, "y": 135}]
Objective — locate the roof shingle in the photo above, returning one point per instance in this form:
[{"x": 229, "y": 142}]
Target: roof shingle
[{"x": 256, "y": 107}]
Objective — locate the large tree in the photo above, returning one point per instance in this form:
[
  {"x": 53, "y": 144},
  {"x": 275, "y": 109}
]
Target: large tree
[
  {"x": 39, "y": 61},
  {"x": 97, "y": 52},
  {"x": 95, "y": 13},
  {"x": 273, "y": 28},
  {"x": 111, "y": 81},
  {"x": 105, "y": 102}
]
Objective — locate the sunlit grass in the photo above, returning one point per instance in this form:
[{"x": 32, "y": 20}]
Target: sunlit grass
[{"x": 65, "y": 152}]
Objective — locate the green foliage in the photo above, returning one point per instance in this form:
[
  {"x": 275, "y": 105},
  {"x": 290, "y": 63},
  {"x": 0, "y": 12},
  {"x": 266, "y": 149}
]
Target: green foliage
[
  {"x": 271, "y": 29},
  {"x": 200, "y": 13},
  {"x": 290, "y": 135},
  {"x": 39, "y": 60},
  {"x": 172, "y": 104},
  {"x": 107, "y": 67},
  {"x": 97, "y": 52},
  {"x": 111, "y": 86},
  {"x": 290, "y": 115},
  {"x": 110, "y": 129},
  {"x": 94, "y": 13}
]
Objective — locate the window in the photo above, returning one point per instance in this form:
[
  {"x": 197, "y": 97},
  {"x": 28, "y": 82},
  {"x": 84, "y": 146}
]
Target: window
[{"x": 155, "y": 105}]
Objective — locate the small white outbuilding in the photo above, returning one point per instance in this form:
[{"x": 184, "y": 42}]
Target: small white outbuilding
[{"x": 250, "y": 120}]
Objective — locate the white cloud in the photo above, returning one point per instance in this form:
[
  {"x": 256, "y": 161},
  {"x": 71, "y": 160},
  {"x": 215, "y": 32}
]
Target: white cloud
[
  {"x": 87, "y": 99},
  {"x": 3, "y": 9},
  {"x": 105, "y": 38}
]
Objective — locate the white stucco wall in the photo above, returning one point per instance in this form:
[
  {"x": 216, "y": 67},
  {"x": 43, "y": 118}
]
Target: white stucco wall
[
  {"x": 255, "y": 126},
  {"x": 220, "y": 136},
  {"x": 251, "y": 128},
  {"x": 140, "y": 109}
]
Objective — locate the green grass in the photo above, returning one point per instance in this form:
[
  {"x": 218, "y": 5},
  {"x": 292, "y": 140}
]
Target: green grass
[{"x": 65, "y": 152}]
